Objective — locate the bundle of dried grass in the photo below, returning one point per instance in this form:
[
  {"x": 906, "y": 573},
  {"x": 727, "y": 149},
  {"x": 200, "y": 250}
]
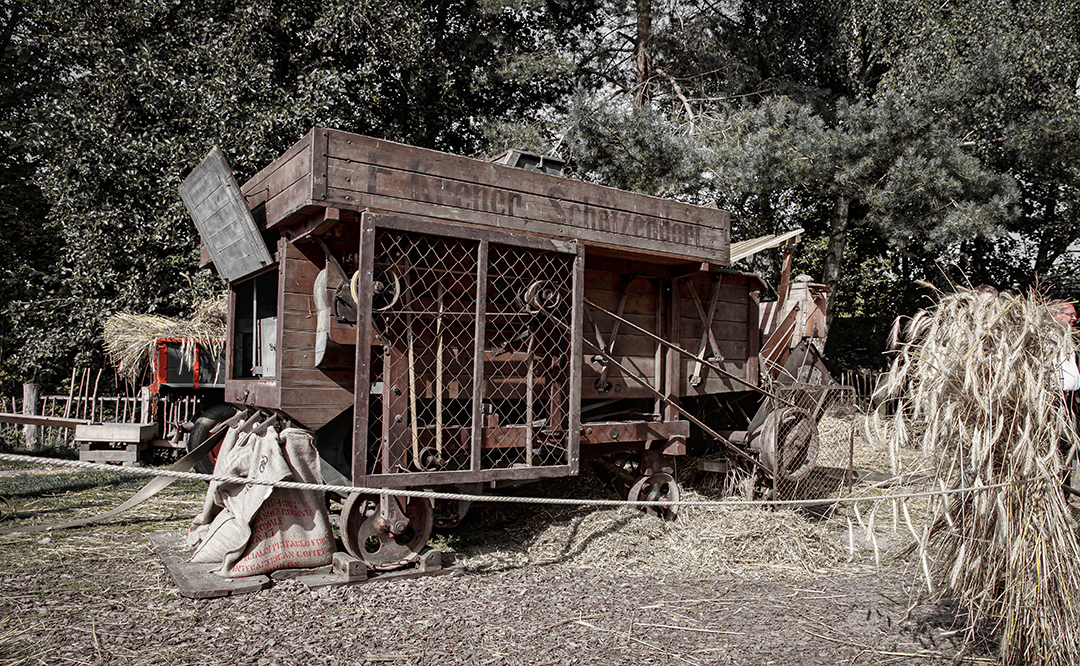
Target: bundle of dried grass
[
  {"x": 130, "y": 338},
  {"x": 981, "y": 378}
]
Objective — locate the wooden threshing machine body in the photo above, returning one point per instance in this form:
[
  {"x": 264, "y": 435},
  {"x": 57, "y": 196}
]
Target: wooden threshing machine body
[{"x": 454, "y": 321}]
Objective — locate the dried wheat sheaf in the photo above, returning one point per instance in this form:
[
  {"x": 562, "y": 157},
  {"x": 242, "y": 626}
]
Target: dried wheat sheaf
[
  {"x": 130, "y": 338},
  {"x": 974, "y": 384}
]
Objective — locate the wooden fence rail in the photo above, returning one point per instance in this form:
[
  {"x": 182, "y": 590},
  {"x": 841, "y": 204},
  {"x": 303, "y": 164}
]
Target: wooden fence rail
[{"x": 83, "y": 403}]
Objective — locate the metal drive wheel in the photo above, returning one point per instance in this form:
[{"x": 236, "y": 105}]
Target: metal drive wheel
[
  {"x": 201, "y": 430},
  {"x": 798, "y": 444},
  {"x": 378, "y": 548},
  {"x": 656, "y": 488}
]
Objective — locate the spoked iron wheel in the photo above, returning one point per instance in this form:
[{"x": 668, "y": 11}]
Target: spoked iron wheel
[
  {"x": 659, "y": 487},
  {"x": 378, "y": 548}
]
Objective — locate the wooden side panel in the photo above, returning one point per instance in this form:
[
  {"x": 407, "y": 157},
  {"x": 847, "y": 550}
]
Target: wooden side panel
[
  {"x": 293, "y": 164},
  {"x": 729, "y": 330},
  {"x": 368, "y": 173},
  {"x": 631, "y": 348},
  {"x": 637, "y": 352},
  {"x": 285, "y": 188},
  {"x": 310, "y": 395}
]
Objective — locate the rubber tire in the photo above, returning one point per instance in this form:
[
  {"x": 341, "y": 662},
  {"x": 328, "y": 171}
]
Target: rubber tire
[{"x": 203, "y": 425}]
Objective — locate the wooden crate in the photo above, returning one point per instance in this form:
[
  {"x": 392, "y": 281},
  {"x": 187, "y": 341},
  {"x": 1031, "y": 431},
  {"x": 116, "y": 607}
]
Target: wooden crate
[{"x": 114, "y": 442}]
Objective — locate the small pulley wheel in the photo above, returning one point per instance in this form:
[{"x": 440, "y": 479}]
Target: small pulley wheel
[
  {"x": 429, "y": 459},
  {"x": 385, "y": 288},
  {"x": 364, "y": 538},
  {"x": 540, "y": 296},
  {"x": 659, "y": 487}
]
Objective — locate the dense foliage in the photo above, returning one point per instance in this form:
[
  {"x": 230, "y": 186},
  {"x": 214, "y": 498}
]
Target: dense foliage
[
  {"x": 913, "y": 140},
  {"x": 125, "y": 96}
]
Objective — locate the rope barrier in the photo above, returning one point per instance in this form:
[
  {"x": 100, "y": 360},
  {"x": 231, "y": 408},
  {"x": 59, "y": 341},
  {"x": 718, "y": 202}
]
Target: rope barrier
[{"x": 348, "y": 490}]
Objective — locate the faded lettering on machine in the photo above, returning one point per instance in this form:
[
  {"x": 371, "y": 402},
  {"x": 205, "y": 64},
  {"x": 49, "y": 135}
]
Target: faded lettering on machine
[
  {"x": 457, "y": 194},
  {"x": 584, "y": 216},
  {"x": 473, "y": 196}
]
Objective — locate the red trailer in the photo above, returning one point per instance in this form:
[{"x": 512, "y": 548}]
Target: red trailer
[{"x": 445, "y": 322}]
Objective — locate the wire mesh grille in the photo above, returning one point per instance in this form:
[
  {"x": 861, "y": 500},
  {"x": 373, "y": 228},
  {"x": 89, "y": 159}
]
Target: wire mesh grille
[
  {"x": 436, "y": 391},
  {"x": 806, "y": 464}
]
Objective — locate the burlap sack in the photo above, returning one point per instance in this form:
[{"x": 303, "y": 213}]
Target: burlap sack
[
  {"x": 254, "y": 529},
  {"x": 291, "y": 530},
  {"x": 222, "y": 531}
]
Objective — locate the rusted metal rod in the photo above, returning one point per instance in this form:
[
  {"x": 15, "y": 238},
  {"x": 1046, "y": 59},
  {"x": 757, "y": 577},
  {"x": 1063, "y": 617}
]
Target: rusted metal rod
[
  {"x": 668, "y": 401},
  {"x": 685, "y": 352}
]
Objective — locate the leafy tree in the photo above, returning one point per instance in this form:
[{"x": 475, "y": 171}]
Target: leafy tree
[
  {"x": 827, "y": 116},
  {"x": 144, "y": 88},
  {"x": 1013, "y": 68}
]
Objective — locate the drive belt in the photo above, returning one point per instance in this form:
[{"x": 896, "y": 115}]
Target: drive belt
[{"x": 156, "y": 485}]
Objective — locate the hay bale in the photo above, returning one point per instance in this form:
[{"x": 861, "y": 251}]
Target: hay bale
[
  {"x": 980, "y": 378},
  {"x": 130, "y": 338}
]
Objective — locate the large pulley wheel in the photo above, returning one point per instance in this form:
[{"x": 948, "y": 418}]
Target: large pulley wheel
[
  {"x": 366, "y": 539},
  {"x": 797, "y": 442},
  {"x": 201, "y": 430},
  {"x": 659, "y": 487}
]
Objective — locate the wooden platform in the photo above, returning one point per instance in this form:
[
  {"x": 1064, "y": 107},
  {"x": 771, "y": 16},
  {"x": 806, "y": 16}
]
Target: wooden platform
[
  {"x": 46, "y": 421},
  {"x": 196, "y": 580}
]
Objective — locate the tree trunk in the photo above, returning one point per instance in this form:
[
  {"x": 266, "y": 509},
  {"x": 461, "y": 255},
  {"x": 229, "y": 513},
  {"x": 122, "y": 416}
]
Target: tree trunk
[
  {"x": 1050, "y": 245},
  {"x": 644, "y": 60},
  {"x": 834, "y": 257},
  {"x": 30, "y": 408}
]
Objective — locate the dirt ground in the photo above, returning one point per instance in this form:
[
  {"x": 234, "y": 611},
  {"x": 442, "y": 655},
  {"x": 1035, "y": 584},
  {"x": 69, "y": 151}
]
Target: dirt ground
[{"x": 573, "y": 586}]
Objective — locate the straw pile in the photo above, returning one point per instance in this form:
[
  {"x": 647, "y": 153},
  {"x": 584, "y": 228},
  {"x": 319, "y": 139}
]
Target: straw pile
[
  {"x": 714, "y": 540},
  {"x": 979, "y": 379},
  {"x": 129, "y": 338}
]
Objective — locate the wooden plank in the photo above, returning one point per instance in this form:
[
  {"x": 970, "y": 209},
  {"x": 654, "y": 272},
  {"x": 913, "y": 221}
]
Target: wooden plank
[
  {"x": 753, "y": 338},
  {"x": 315, "y": 417},
  {"x": 297, "y": 338},
  {"x": 109, "y": 456},
  {"x": 289, "y": 174},
  {"x": 478, "y": 354},
  {"x": 458, "y": 177},
  {"x": 723, "y": 330},
  {"x": 446, "y": 478},
  {"x": 253, "y": 392},
  {"x": 116, "y": 432},
  {"x": 364, "y": 335},
  {"x": 50, "y": 421},
  {"x": 292, "y": 202},
  {"x": 319, "y": 397},
  {"x": 256, "y": 190},
  {"x": 343, "y": 378},
  {"x": 319, "y": 138},
  {"x": 197, "y": 580},
  {"x": 631, "y": 346},
  {"x": 632, "y": 431},
  {"x": 640, "y": 304},
  {"x": 461, "y": 232},
  {"x": 656, "y": 237}
]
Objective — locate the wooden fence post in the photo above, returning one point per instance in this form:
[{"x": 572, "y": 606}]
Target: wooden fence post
[
  {"x": 144, "y": 400},
  {"x": 30, "y": 408}
]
